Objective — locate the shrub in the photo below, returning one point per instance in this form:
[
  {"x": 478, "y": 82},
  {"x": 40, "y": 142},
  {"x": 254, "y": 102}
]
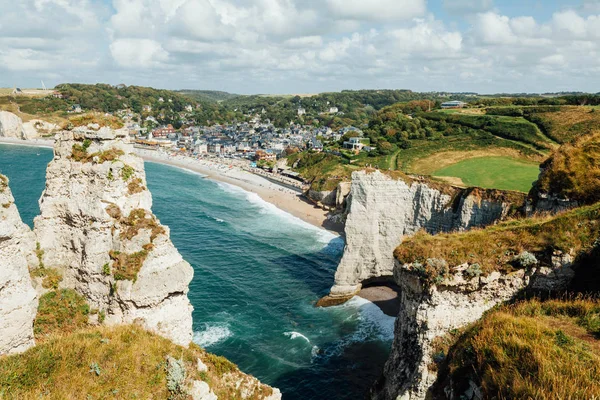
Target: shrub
[
  {"x": 127, "y": 172},
  {"x": 525, "y": 259},
  {"x": 176, "y": 378},
  {"x": 474, "y": 270}
]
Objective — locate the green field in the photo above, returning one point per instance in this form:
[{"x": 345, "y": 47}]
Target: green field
[{"x": 493, "y": 173}]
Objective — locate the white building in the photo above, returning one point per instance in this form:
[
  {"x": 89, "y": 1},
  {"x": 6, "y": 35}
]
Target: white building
[
  {"x": 301, "y": 111},
  {"x": 333, "y": 110}
]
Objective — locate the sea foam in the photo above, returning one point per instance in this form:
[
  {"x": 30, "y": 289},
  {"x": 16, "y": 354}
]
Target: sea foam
[{"x": 212, "y": 335}]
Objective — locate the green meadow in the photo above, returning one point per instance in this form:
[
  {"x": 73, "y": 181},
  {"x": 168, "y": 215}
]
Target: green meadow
[{"x": 493, "y": 172}]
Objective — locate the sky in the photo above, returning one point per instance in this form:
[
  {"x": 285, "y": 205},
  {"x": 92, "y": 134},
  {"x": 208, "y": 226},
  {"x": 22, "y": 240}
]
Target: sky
[{"x": 304, "y": 46}]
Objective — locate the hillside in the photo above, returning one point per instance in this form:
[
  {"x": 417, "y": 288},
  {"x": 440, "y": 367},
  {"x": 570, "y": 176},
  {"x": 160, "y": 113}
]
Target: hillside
[
  {"x": 207, "y": 95},
  {"x": 529, "y": 350},
  {"x": 573, "y": 172}
]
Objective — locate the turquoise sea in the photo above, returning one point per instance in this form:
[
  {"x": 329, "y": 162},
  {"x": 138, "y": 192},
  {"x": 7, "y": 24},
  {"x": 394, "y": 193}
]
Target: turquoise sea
[{"x": 258, "y": 273}]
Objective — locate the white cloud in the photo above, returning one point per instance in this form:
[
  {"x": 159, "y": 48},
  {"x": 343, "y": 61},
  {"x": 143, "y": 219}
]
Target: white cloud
[
  {"x": 378, "y": 10},
  {"x": 138, "y": 53},
  {"x": 299, "y": 45}
]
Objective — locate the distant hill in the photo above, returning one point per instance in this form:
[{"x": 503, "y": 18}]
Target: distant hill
[
  {"x": 108, "y": 98},
  {"x": 208, "y": 95}
]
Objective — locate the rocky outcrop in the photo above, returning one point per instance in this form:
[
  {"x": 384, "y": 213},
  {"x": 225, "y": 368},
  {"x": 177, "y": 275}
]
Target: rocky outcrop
[
  {"x": 427, "y": 313},
  {"x": 11, "y": 126},
  {"x": 97, "y": 228},
  {"x": 18, "y": 300},
  {"x": 383, "y": 210},
  {"x": 332, "y": 199},
  {"x": 37, "y": 128}
]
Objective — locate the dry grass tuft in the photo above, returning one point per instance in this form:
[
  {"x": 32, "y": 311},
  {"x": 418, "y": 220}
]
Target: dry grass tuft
[
  {"x": 119, "y": 362},
  {"x": 127, "y": 266},
  {"x": 140, "y": 219},
  {"x": 93, "y": 118},
  {"x": 529, "y": 350},
  {"x": 495, "y": 248},
  {"x": 80, "y": 153},
  {"x": 3, "y": 183},
  {"x": 135, "y": 186},
  {"x": 51, "y": 277}
]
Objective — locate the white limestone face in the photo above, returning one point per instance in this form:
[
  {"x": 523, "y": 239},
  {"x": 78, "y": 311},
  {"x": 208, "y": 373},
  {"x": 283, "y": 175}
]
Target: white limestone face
[
  {"x": 11, "y": 126},
  {"x": 85, "y": 209},
  {"x": 37, "y": 128},
  {"x": 428, "y": 313},
  {"x": 18, "y": 299},
  {"x": 384, "y": 210}
]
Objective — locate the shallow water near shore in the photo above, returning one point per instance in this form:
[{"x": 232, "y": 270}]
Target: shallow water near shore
[{"x": 258, "y": 273}]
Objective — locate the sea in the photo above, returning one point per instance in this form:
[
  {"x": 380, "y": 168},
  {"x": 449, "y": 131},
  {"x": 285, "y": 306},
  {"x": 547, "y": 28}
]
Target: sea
[{"x": 258, "y": 271}]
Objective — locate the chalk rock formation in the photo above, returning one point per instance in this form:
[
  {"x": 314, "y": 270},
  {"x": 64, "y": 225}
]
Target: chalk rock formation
[
  {"x": 11, "y": 126},
  {"x": 427, "y": 313},
  {"x": 383, "y": 210},
  {"x": 96, "y": 226},
  {"x": 18, "y": 300},
  {"x": 37, "y": 128}
]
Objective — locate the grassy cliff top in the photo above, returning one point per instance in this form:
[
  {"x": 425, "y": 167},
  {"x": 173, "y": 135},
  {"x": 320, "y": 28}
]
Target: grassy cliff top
[
  {"x": 119, "y": 362},
  {"x": 73, "y": 359},
  {"x": 495, "y": 247},
  {"x": 573, "y": 171},
  {"x": 529, "y": 350}
]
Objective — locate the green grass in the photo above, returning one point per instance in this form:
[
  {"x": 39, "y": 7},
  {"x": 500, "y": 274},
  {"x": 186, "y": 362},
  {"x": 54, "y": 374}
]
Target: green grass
[{"x": 493, "y": 173}]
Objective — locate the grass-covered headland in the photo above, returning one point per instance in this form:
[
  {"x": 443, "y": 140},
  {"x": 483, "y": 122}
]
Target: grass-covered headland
[
  {"x": 76, "y": 360},
  {"x": 532, "y": 349}
]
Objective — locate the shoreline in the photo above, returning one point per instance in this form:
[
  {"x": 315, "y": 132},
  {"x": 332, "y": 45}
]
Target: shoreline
[{"x": 282, "y": 197}]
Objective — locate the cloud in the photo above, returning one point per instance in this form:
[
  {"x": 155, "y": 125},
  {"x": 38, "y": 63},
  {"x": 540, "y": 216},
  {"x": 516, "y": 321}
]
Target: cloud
[
  {"x": 299, "y": 45},
  {"x": 378, "y": 10},
  {"x": 138, "y": 53}
]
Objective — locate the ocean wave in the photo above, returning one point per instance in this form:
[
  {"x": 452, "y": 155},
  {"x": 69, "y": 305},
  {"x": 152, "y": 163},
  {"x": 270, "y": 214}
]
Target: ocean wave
[
  {"x": 295, "y": 335},
  {"x": 265, "y": 207},
  {"x": 212, "y": 335},
  {"x": 371, "y": 324}
]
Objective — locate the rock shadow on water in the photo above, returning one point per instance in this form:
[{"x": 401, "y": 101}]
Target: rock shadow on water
[
  {"x": 339, "y": 369},
  {"x": 315, "y": 269}
]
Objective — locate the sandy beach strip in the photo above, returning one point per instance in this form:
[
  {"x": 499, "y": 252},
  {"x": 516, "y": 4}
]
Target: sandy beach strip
[{"x": 284, "y": 198}]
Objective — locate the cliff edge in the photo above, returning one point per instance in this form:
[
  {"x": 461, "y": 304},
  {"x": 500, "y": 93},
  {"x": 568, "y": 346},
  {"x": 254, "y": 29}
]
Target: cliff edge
[{"x": 18, "y": 299}]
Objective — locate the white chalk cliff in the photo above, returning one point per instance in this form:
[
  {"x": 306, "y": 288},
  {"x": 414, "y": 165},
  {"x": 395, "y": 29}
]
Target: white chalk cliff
[
  {"x": 18, "y": 299},
  {"x": 383, "y": 210},
  {"x": 96, "y": 226},
  {"x": 11, "y": 126},
  {"x": 427, "y": 313}
]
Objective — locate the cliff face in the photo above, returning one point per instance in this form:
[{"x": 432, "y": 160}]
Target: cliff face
[
  {"x": 383, "y": 210},
  {"x": 11, "y": 126},
  {"x": 18, "y": 300},
  {"x": 429, "y": 313},
  {"x": 97, "y": 228}
]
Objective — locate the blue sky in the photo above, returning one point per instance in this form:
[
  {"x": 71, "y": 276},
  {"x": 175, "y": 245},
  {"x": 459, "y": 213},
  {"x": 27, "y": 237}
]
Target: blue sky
[{"x": 304, "y": 46}]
